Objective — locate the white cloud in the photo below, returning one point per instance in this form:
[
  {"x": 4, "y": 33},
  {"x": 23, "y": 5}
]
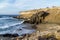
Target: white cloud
[
  {"x": 3, "y": 5},
  {"x": 21, "y": 3},
  {"x": 12, "y": 6}
]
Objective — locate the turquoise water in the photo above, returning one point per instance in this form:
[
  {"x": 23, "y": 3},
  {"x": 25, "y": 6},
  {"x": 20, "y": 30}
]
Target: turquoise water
[{"x": 9, "y": 25}]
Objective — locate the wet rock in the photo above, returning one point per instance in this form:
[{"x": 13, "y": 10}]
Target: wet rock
[
  {"x": 9, "y": 35},
  {"x": 19, "y": 29}
]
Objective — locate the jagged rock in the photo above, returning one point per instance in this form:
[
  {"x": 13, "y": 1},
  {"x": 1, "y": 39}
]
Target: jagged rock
[
  {"x": 53, "y": 17},
  {"x": 38, "y": 17},
  {"x": 49, "y": 30},
  {"x": 45, "y": 32}
]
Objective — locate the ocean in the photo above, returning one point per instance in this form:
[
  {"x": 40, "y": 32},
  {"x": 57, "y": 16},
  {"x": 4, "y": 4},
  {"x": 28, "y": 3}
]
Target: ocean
[{"x": 10, "y": 25}]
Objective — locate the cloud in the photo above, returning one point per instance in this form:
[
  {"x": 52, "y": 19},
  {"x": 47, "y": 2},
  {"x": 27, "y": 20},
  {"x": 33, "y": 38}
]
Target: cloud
[
  {"x": 14, "y": 6},
  {"x": 27, "y": 3},
  {"x": 3, "y": 5},
  {"x": 6, "y": 3}
]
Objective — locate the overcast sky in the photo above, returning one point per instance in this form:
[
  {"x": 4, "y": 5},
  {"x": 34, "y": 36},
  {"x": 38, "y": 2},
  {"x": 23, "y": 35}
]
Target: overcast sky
[{"x": 14, "y": 6}]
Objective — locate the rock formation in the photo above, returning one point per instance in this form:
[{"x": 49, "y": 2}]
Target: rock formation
[
  {"x": 53, "y": 17},
  {"x": 44, "y": 32},
  {"x": 38, "y": 17},
  {"x": 47, "y": 22}
]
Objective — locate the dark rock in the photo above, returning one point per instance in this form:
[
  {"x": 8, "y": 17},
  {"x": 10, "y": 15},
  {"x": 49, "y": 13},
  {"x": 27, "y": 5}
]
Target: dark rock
[
  {"x": 40, "y": 38},
  {"x": 38, "y": 17},
  {"x": 58, "y": 30},
  {"x": 9, "y": 35},
  {"x": 48, "y": 38},
  {"x": 51, "y": 38}
]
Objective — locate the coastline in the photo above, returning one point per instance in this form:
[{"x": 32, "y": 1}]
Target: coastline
[
  {"x": 15, "y": 36},
  {"x": 46, "y": 23},
  {"x": 43, "y": 32},
  {"x": 46, "y": 29}
]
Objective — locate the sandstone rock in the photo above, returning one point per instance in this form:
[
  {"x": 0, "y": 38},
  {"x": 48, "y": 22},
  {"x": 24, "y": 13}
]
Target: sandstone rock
[
  {"x": 26, "y": 14},
  {"x": 47, "y": 31},
  {"x": 53, "y": 17},
  {"x": 38, "y": 17}
]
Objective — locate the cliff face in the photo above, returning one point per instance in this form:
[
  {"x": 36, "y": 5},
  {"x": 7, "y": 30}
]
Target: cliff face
[
  {"x": 29, "y": 13},
  {"x": 26, "y": 14},
  {"x": 53, "y": 17},
  {"x": 50, "y": 30}
]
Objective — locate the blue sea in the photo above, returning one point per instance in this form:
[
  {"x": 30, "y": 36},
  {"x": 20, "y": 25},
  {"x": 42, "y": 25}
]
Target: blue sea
[{"x": 10, "y": 25}]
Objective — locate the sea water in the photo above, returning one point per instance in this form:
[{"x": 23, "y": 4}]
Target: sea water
[{"x": 10, "y": 25}]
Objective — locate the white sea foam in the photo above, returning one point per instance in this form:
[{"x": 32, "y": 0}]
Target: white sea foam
[
  {"x": 6, "y": 24},
  {"x": 12, "y": 25}
]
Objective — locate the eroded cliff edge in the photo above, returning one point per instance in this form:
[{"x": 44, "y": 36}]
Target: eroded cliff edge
[
  {"x": 47, "y": 21},
  {"x": 52, "y": 17}
]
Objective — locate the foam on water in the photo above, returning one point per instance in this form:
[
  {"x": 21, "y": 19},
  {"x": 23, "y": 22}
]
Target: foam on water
[
  {"x": 11, "y": 25},
  {"x": 7, "y": 22}
]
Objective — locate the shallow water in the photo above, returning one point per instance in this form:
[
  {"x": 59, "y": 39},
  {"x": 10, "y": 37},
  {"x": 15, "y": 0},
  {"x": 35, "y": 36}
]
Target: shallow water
[{"x": 9, "y": 25}]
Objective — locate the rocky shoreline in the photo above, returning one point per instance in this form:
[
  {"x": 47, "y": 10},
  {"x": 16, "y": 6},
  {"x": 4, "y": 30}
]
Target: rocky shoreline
[
  {"x": 16, "y": 36},
  {"x": 43, "y": 32},
  {"x": 46, "y": 23}
]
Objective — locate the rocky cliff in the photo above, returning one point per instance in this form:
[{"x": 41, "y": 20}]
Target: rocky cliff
[
  {"x": 47, "y": 22},
  {"x": 53, "y": 17}
]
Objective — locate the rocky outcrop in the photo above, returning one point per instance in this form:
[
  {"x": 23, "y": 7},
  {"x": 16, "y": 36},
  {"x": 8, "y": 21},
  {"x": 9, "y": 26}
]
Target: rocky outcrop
[
  {"x": 44, "y": 32},
  {"x": 47, "y": 24},
  {"x": 53, "y": 17},
  {"x": 38, "y": 17},
  {"x": 26, "y": 14}
]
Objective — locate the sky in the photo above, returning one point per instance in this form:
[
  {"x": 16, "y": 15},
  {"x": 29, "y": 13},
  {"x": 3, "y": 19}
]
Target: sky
[{"x": 13, "y": 7}]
